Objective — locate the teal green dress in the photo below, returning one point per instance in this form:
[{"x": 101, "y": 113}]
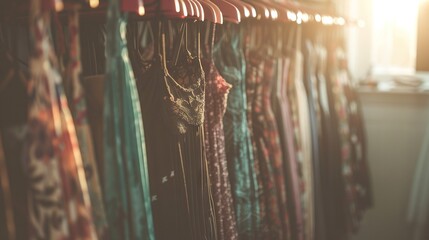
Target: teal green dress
[
  {"x": 126, "y": 182},
  {"x": 230, "y": 62}
]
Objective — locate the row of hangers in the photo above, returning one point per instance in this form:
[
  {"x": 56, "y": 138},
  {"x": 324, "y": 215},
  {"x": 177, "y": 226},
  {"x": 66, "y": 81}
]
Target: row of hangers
[{"x": 219, "y": 11}]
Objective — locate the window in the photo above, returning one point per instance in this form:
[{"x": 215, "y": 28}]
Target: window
[{"x": 394, "y": 36}]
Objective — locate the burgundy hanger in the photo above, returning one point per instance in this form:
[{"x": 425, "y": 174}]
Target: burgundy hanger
[
  {"x": 229, "y": 11},
  {"x": 190, "y": 8},
  {"x": 218, "y": 13},
  {"x": 199, "y": 11},
  {"x": 277, "y": 10},
  {"x": 173, "y": 9},
  {"x": 135, "y": 6},
  {"x": 250, "y": 8},
  {"x": 168, "y": 8},
  {"x": 210, "y": 11},
  {"x": 242, "y": 7},
  {"x": 262, "y": 11}
]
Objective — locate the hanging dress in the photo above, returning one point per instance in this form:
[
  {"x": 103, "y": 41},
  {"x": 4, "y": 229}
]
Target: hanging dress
[
  {"x": 126, "y": 181},
  {"x": 254, "y": 70},
  {"x": 356, "y": 187},
  {"x": 330, "y": 170},
  {"x": 83, "y": 131},
  {"x": 216, "y": 92},
  {"x": 230, "y": 62},
  {"x": 269, "y": 205},
  {"x": 336, "y": 216},
  {"x": 310, "y": 83},
  {"x": 13, "y": 142},
  {"x": 172, "y": 98},
  {"x": 93, "y": 61},
  {"x": 286, "y": 130},
  {"x": 58, "y": 201},
  {"x": 272, "y": 142},
  {"x": 13, "y": 90},
  {"x": 7, "y": 217},
  {"x": 302, "y": 140}
]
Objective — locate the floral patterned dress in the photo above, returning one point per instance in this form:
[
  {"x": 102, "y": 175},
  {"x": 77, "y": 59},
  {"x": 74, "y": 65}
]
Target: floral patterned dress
[
  {"x": 59, "y": 203},
  {"x": 230, "y": 62},
  {"x": 216, "y": 91}
]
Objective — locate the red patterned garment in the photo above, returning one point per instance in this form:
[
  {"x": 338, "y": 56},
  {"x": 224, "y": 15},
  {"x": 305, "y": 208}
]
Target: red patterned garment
[
  {"x": 216, "y": 91},
  {"x": 271, "y": 140},
  {"x": 269, "y": 154},
  {"x": 349, "y": 168},
  {"x": 59, "y": 204},
  {"x": 253, "y": 74},
  {"x": 276, "y": 150}
]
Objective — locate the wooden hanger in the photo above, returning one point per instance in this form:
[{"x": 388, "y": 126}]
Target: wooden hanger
[
  {"x": 218, "y": 12},
  {"x": 211, "y": 12},
  {"x": 282, "y": 9},
  {"x": 229, "y": 11},
  {"x": 190, "y": 8},
  {"x": 167, "y": 8},
  {"x": 199, "y": 10},
  {"x": 242, "y": 8},
  {"x": 261, "y": 10},
  {"x": 250, "y": 8}
]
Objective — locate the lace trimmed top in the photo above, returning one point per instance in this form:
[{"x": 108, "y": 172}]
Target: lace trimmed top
[{"x": 172, "y": 102}]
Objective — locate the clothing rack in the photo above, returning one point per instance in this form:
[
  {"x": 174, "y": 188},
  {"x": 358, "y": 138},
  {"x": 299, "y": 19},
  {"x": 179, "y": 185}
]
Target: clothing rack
[
  {"x": 317, "y": 12},
  {"x": 166, "y": 127}
]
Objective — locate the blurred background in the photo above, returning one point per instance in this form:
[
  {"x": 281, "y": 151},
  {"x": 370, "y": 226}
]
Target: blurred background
[{"x": 389, "y": 56}]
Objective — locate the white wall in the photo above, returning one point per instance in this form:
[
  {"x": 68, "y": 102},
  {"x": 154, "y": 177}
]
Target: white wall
[{"x": 395, "y": 126}]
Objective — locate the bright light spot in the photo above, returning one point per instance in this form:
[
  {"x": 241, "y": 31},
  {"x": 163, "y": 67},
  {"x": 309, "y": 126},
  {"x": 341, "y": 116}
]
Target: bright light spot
[
  {"x": 327, "y": 20},
  {"x": 203, "y": 17},
  {"x": 253, "y": 12},
  {"x": 177, "y": 5},
  {"x": 401, "y": 13},
  {"x": 299, "y": 17},
  {"x": 59, "y": 5},
  {"x": 394, "y": 35},
  {"x": 339, "y": 21},
  {"x": 246, "y": 12},
  {"x": 197, "y": 10},
  {"x": 141, "y": 10},
  {"x": 291, "y": 16},
  {"x": 318, "y": 18},
  {"x": 267, "y": 13},
  {"x": 185, "y": 10},
  {"x": 274, "y": 14},
  {"x": 94, "y": 3},
  {"x": 305, "y": 17}
]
